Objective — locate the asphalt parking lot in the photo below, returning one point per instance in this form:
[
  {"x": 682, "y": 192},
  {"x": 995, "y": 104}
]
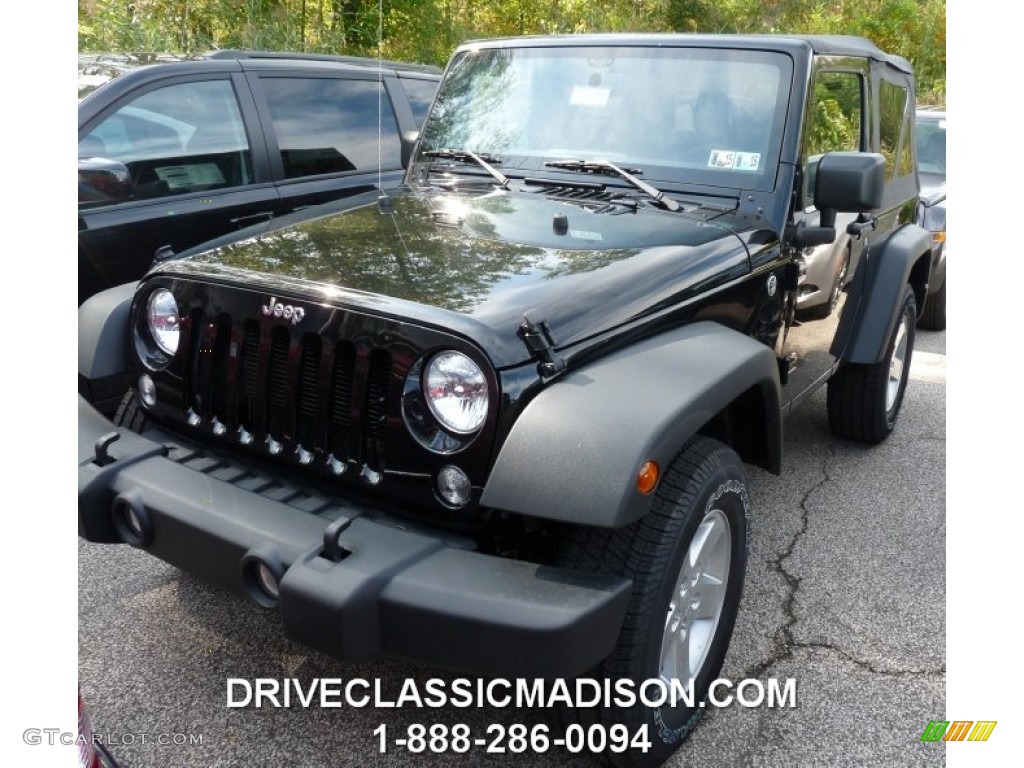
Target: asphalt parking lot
[{"x": 845, "y": 593}]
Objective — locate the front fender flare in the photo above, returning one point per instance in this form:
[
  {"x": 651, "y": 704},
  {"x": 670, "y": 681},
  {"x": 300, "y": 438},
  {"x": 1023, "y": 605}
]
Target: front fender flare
[
  {"x": 103, "y": 346},
  {"x": 574, "y": 452},
  {"x": 103, "y": 332}
]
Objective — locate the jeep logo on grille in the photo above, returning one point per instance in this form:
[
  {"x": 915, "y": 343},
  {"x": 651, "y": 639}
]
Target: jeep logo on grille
[{"x": 287, "y": 311}]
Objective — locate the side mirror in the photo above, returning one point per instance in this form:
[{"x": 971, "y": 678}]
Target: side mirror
[
  {"x": 101, "y": 180},
  {"x": 851, "y": 182},
  {"x": 846, "y": 182},
  {"x": 409, "y": 139}
]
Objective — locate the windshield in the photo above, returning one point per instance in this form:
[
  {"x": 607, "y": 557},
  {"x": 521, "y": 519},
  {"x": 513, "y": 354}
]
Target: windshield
[
  {"x": 700, "y": 115},
  {"x": 931, "y": 148}
]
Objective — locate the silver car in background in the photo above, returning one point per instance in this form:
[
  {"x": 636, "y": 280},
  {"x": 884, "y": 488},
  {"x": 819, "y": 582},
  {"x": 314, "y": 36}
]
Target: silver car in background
[{"x": 931, "y": 171}]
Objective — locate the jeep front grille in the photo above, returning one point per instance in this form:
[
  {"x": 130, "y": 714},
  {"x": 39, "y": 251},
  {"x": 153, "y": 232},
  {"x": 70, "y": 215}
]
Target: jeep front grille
[
  {"x": 342, "y": 376},
  {"x": 307, "y": 410},
  {"x": 284, "y": 390}
]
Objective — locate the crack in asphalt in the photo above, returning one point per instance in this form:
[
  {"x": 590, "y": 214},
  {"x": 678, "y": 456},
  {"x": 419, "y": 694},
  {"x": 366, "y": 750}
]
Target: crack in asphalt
[
  {"x": 785, "y": 644},
  {"x": 783, "y": 640},
  {"x": 867, "y": 666}
]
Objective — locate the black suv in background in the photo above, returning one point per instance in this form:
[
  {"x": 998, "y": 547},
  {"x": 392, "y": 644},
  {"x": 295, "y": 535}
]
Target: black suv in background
[{"x": 181, "y": 152}]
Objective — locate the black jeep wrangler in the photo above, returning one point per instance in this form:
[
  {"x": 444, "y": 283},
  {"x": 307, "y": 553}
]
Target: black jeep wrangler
[{"x": 497, "y": 419}]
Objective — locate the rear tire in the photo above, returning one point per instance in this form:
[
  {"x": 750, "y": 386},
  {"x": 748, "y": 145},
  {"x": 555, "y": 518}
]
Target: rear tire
[
  {"x": 934, "y": 316},
  {"x": 864, "y": 400},
  {"x": 687, "y": 559}
]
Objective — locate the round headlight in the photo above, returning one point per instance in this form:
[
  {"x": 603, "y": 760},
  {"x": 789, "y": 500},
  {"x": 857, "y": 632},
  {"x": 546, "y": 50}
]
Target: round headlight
[
  {"x": 456, "y": 392},
  {"x": 162, "y": 318}
]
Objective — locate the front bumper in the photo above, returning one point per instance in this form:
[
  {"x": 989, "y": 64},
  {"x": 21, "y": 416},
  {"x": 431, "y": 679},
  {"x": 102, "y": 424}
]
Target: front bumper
[{"x": 373, "y": 587}]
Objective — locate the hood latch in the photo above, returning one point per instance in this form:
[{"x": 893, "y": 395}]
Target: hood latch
[{"x": 537, "y": 337}]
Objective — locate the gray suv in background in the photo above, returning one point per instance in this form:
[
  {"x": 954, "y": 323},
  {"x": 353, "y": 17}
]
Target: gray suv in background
[{"x": 931, "y": 169}]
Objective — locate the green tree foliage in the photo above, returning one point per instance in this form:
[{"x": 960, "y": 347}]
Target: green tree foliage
[
  {"x": 835, "y": 119},
  {"x": 428, "y": 30}
]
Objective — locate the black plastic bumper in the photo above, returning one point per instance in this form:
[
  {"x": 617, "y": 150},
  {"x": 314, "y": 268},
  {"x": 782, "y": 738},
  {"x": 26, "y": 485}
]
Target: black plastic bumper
[{"x": 395, "y": 592}]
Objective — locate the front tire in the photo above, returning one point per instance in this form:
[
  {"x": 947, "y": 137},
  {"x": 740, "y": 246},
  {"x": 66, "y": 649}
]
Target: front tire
[
  {"x": 864, "y": 400},
  {"x": 687, "y": 559}
]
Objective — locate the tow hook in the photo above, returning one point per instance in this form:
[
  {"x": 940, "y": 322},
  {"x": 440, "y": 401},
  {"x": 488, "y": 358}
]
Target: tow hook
[{"x": 103, "y": 458}]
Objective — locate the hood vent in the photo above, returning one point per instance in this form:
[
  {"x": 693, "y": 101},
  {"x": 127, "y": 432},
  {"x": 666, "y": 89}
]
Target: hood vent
[
  {"x": 591, "y": 193},
  {"x": 593, "y": 197}
]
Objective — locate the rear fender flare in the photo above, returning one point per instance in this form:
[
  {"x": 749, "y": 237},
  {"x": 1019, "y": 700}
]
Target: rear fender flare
[{"x": 895, "y": 263}]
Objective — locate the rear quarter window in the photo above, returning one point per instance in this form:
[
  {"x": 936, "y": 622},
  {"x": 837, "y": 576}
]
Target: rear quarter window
[{"x": 893, "y": 105}]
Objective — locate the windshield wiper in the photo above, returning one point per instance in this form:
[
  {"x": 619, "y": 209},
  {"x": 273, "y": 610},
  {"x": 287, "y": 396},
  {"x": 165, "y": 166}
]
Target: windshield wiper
[
  {"x": 603, "y": 166},
  {"x": 484, "y": 161}
]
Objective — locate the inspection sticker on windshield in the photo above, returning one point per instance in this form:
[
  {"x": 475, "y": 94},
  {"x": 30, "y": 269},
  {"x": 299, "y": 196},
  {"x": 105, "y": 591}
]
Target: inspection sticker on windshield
[
  {"x": 721, "y": 158},
  {"x": 747, "y": 161},
  {"x": 588, "y": 96},
  {"x": 738, "y": 161}
]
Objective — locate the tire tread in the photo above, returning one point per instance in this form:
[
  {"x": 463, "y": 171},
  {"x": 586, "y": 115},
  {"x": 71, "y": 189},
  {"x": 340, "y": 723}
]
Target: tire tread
[
  {"x": 129, "y": 413},
  {"x": 933, "y": 318},
  {"x": 637, "y": 552},
  {"x": 857, "y": 391}
]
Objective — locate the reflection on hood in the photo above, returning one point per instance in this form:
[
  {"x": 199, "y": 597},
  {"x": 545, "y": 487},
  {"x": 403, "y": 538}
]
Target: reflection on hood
[{"x": 489, "y": 258}]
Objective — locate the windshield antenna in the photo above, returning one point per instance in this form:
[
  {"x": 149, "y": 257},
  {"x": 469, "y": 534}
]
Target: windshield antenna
[{"x": 384, "y": 203}]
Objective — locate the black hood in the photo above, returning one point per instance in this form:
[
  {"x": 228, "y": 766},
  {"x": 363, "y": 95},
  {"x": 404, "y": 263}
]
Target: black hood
[{"x": 474, "y": 263}]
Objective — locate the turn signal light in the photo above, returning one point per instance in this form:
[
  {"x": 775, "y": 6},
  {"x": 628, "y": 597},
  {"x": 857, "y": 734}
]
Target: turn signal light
[{"x": 647, "y": 477}]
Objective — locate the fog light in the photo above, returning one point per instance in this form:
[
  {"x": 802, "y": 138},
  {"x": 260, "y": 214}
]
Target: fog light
[
  {"x": 147, "y": 391},
  {"x": 453, "y": 486}
]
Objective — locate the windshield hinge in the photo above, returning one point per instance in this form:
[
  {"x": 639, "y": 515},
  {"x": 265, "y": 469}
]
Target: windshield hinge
[
  {"x": 752, "y": 206},
  {"x": 537, "y": 337}
]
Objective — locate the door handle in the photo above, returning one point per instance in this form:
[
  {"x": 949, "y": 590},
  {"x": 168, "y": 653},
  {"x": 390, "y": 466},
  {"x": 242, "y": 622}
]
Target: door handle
[{"x": 252, "y": 218}]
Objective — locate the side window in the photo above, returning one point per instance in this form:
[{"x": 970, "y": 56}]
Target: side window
[
  {"x": 835, "y": 122},
  {"x": 327, "y": 125},
  {"x": 421, "y": 95},
  {"x": 906, "y": 160},
  {"x": 893, "y": 104},
  {"x": 187, "y": 137}
]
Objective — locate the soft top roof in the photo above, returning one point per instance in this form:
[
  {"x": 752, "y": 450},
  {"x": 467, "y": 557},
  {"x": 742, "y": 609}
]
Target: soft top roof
[{"x": 835, "y": 45}]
